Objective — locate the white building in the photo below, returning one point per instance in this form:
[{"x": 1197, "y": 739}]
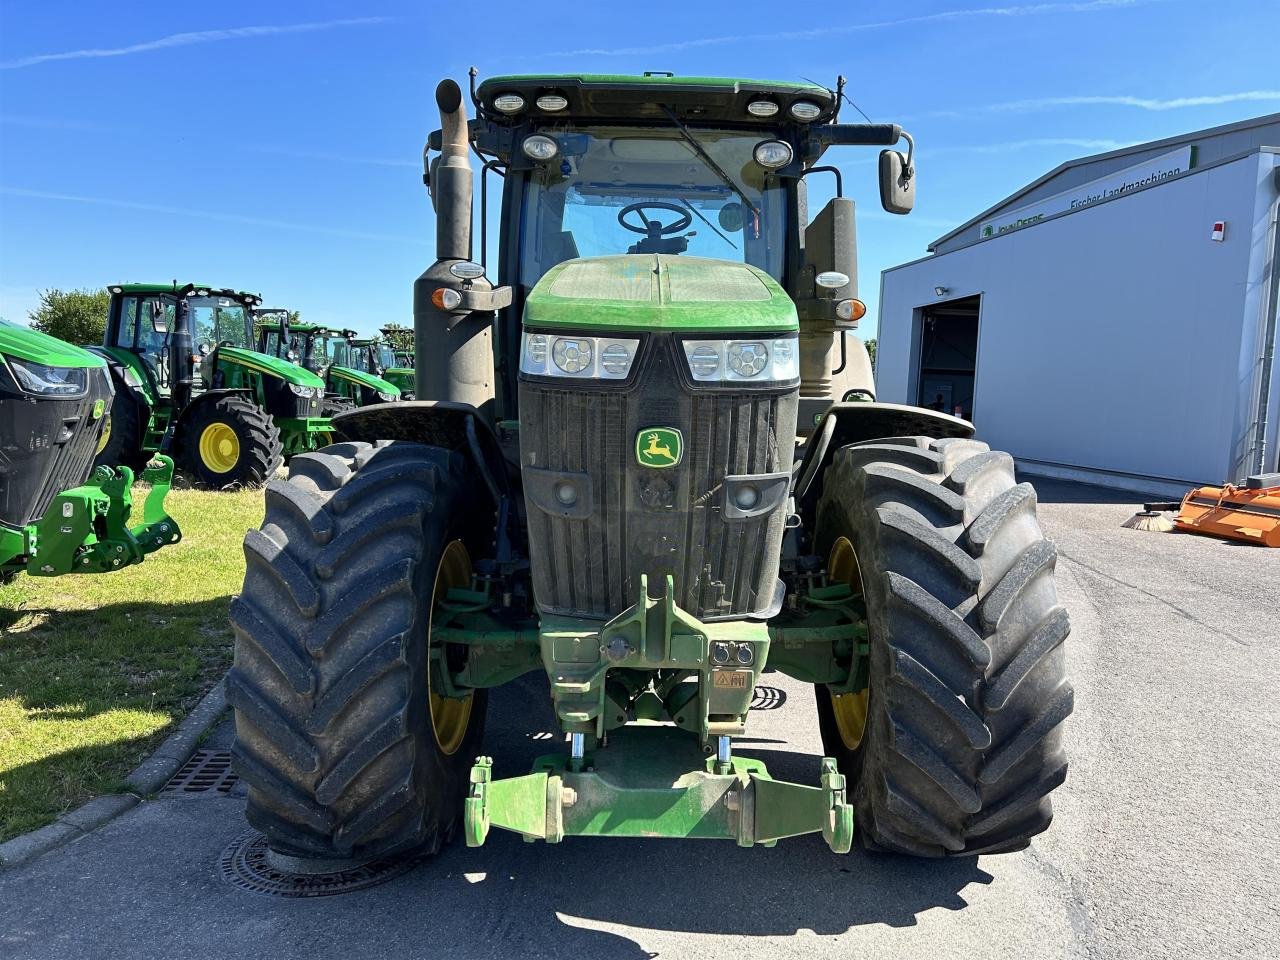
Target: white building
[{"x": 1114, "y": 321}]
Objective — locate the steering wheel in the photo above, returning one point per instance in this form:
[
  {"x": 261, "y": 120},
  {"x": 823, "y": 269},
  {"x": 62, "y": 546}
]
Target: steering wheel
[{"x": 654, "y": 229}]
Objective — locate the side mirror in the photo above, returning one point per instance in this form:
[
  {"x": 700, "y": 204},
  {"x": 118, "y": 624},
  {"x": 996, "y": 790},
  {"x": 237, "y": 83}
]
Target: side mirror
[
  {"x": 159, "y": 319},
  {"x": 897, "y": 182}
]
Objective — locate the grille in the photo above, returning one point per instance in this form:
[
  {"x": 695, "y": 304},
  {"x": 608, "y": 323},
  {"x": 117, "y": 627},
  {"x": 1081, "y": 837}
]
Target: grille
[
  {"x": 46, "y": 446},
  {"x": 657, "y": 522}
]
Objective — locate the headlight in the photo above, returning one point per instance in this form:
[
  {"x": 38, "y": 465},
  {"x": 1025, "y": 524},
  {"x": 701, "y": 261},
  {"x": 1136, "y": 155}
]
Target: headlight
[
  {"x": 601, "y": 358},
  {"x": 387, "y": 397},
  {"x": 805, "y": 110},
  {"x": 508, "y": 103},
  {"x": 311, "y": 393},
  {"x": 762, "y": 108},
  {"x": 743, "y": 361},
  {"x": 772, "y": 154},
  {"x": 571, "y": 356},
  {"x": 45, "y": 381},
  {"x": 539, "y": 147}
]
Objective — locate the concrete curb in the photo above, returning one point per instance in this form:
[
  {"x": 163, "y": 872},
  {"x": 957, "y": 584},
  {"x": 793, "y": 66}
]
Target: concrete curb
[{"x": 147, "y": 778}]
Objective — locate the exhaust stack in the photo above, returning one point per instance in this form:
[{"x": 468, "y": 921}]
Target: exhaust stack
[
  {"x": 451, "y": 182},
  {"x": 453, "y": 333}
]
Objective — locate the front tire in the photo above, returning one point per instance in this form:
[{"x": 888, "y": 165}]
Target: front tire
[
  {"x": 956, "y": 743},
  {"x": 230, "y": 441},
  {"x": 346, "y": 748},
  {"x": 123, "y": 446}
]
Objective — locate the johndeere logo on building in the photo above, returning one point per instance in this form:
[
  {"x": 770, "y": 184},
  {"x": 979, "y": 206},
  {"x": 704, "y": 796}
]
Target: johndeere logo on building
[{"x": 659, "y": 447}]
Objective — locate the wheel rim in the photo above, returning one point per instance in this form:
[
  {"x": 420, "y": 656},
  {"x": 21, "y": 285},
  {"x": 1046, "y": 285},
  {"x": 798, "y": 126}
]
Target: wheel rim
[
  {"x": 219, "y": 447},
  {"x": 850, "y": 709},
  {"x": 450, "y": 716}
]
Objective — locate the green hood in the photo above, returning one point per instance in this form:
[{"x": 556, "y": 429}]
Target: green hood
[
  {"x": 659, "y": 292},
  {"x": 366, "y": 379},
  {"x": 37, "y": 347},
  {"x": 272, "y": 366}
]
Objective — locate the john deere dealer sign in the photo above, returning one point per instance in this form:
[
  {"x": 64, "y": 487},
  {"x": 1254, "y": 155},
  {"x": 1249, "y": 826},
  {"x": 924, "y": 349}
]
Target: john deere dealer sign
[{"x": 1104, "y": 188}]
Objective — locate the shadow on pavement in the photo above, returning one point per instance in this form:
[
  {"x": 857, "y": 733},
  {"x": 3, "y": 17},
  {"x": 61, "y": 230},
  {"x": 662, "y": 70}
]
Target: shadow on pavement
[
  {"x": 1066, "y": 491},
  {"x": 561, "y": 894}
]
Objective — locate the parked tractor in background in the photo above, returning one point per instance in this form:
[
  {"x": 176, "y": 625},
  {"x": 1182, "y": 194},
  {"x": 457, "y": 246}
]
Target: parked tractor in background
[
  {"x": 356, "y": 369},
  {"x": 400, "y": 372},
  {"x": 57, "y": 513},
  {"x": 189, "y": 380},
  {"x": 303, "y": 344},
  {"x": 603, "y": 482}
]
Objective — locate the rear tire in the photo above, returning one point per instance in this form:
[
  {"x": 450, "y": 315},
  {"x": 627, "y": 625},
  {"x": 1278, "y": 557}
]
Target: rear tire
[
  {"x": 962, "y": 741},
  {"x": 335, "y": 719},
  {"x": 230, "y": 441}
]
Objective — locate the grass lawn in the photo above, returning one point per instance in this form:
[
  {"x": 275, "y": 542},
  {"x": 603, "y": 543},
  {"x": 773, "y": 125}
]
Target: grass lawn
[{"x": 96, "y": 669}]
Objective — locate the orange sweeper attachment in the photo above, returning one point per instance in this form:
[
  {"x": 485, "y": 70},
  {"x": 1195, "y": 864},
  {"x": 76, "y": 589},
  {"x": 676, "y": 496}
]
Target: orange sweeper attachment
[{"x": 1250, "y": 512}]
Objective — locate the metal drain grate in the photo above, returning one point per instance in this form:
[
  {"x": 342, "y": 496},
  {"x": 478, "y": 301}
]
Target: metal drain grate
[
  {"x": 247, "y": 864},
  {"x": 208, "y": 771}
]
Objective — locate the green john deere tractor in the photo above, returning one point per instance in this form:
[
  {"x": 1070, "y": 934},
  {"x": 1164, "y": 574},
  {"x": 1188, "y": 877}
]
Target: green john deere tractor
[
  {"x": 57, "y": 513},
  {"x": 303, "y": 344},
  {"x": 356, "y": 368},
  {"x": 400, "y": 364},
  {"x": 636, "y": 472},
  {"x": 188, "y": 379}
]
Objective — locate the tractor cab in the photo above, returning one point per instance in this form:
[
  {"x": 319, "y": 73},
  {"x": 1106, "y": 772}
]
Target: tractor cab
[{"x": 296, "y": 342}]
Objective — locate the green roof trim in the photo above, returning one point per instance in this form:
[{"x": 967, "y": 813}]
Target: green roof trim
[
  {"x": 36, "y": 347},
  {"x": 659, "y": 292}
]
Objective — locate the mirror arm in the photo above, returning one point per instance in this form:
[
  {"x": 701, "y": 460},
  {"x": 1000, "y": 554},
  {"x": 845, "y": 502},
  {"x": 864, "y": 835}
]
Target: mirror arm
[{"x": 829, "y": 169}]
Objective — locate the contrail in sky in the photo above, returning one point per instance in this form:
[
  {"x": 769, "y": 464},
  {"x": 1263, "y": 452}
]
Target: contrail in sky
[
  {"x": 193, "y": 37},
  {"x": 1085, "y": 6},
  {"x": 206, "y": 214}
]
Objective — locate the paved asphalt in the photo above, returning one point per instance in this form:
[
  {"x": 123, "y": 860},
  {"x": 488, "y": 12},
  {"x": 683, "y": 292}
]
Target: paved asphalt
[{"x": 1165, "y": 844}]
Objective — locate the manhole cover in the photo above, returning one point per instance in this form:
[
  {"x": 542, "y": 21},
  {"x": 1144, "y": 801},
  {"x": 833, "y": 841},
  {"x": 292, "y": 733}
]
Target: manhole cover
[
  {"x": 208, "y": 771},
  {"x": 248, "y": 864},
  {"x": 768, "y": 698}
]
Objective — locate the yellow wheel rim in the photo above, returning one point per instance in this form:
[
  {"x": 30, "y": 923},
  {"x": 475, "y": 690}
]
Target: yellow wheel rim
[
  {"x": 106, "y": 436},
  {"x": 219, "y": 447},
  {"x": 850, "y": 709},
  {"x": 450, "y": 716}
]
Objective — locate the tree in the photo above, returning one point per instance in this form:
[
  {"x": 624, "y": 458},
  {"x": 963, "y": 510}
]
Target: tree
[
  {"x": 400, "y": 337},
  {"x": 871, "y": 351},
  {"x": 76, "y": 316}
]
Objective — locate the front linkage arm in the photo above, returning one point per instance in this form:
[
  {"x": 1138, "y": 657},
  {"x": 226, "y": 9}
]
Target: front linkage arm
[{"x": 86, "y": 529}]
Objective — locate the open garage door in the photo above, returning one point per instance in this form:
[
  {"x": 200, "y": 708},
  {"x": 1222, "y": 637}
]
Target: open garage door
[{"x": 948, "y": 356}]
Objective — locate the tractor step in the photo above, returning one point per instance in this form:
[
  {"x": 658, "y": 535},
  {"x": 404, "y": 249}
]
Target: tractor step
[{"x": 652, "y": 782}]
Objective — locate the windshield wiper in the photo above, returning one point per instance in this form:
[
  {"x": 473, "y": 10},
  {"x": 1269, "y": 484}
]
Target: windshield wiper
[
  {"x": 690, "y": 139},
  {"x": 697, "y": 213}
]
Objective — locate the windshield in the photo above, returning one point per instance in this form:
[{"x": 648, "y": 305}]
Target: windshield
[
  {"x": 218, "y": 320},
  {"x": 576, "y": 207},
  {"x": 384, "y": 355},
  {"x": 339, "y": 351}
]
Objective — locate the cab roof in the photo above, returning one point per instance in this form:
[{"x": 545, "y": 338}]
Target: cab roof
[
  {"x": 178, "y": 289},
  {"x": 624, "y": 96}
]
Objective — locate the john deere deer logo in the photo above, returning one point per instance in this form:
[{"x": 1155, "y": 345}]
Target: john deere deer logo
[{"x": 659, "y": 447}]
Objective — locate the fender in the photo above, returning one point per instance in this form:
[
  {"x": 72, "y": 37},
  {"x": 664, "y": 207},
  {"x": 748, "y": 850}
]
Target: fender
[
  {"x": 846, "y": 423},
  {"x": 439, "y": 423}
]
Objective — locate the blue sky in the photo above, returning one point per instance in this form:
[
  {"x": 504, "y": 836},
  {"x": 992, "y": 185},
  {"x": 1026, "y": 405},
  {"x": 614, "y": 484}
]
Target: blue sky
[{"x": 276, "y": 147}]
